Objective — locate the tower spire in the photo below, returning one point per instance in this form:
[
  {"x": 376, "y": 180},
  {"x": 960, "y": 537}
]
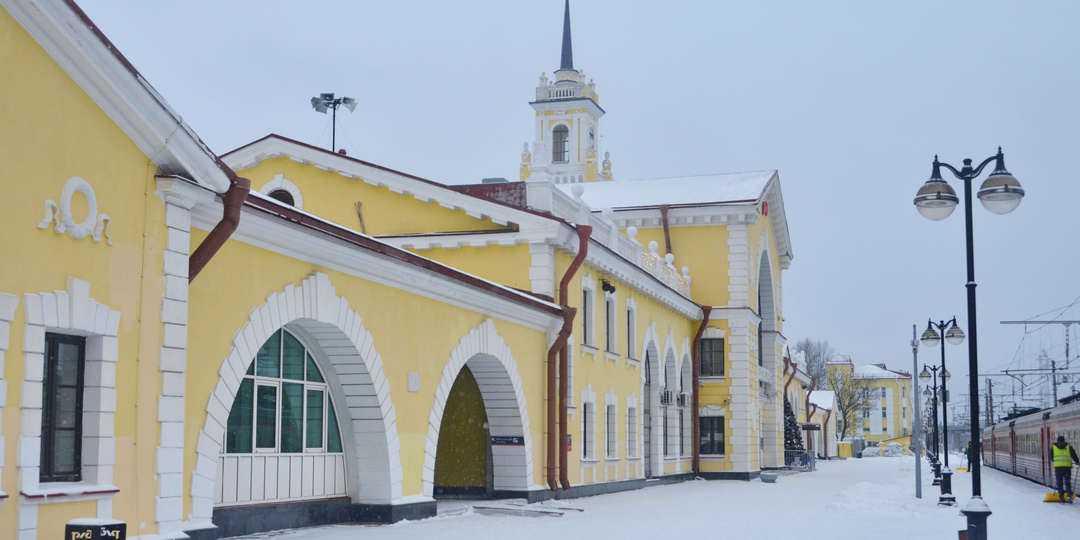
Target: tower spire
[{"x": 567, "y": 49}]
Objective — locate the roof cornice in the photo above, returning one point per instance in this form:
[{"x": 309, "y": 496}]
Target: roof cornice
[{"x": 275, "y": 146}]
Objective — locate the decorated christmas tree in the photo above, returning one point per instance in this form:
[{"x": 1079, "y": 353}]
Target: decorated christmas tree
[{"x": 792, "y": 431}]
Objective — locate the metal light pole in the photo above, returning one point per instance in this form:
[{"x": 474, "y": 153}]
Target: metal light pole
[
  {"x": 925, "y": 378},
  {"x": 1000, "y": 193},
  {"x": 931, "y": 338},
  {"x": 918, "y": 421}
]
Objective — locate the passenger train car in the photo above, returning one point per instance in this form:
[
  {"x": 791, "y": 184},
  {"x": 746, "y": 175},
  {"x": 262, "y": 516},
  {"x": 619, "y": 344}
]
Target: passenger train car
[{"x": 1021, "y": 446}]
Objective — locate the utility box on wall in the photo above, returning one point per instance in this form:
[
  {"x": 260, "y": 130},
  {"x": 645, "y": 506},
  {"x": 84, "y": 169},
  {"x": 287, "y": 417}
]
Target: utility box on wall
[{"x": 95, "y": 529}]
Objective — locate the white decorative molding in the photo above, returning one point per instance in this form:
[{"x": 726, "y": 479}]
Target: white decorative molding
[
  {"x": 355, "y": 374},
  {"x": 8, "y": 304},
  {"x": 281, "y": 183},
  {"x": 93, "y": 224},
  {"x": 71, "y": 312},
  {"x": 492, "y": 363}
]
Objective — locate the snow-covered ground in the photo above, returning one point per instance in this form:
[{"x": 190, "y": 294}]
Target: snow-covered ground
[{"x": 854, "y": 498}]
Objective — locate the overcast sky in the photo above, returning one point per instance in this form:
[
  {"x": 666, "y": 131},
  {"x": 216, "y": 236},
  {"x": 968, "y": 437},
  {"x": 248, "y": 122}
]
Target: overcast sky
[{"x": 849, "y": 101}]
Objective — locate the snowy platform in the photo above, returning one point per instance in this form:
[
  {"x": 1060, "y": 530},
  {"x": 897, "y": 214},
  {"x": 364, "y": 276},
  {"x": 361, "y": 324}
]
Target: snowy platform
[{"x": 842, "y": 500}]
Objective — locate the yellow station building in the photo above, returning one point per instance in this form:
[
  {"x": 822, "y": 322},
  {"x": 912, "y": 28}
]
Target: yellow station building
[
  {"x": 196, "y": 345},
  {"x": 884, "y": 414}
]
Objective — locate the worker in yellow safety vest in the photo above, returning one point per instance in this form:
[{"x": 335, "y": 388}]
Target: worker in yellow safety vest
[{"x": 1063, "y": 456}]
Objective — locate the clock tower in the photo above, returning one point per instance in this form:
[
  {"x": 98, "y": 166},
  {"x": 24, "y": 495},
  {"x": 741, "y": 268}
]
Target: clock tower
[{"x": 567, "y": 125}]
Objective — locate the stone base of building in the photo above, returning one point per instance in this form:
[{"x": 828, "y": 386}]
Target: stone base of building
[
  {"x": 731, "y": 475},
  {"x": 242, "y": 520}
]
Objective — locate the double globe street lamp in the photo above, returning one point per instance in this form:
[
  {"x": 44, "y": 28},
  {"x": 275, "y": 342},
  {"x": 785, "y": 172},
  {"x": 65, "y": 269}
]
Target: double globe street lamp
[
  {"x": 955, "y": 336},
  {"x": 932, "y": 392},
  {"x": 1000, "y": 193}
]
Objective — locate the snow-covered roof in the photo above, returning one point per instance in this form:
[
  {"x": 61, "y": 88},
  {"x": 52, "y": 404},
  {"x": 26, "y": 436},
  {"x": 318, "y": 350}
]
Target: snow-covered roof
[
  {"x": 824, "y": 399},
  {"x": 878, "y": 371},
  {"x": 685, "y": 190}
]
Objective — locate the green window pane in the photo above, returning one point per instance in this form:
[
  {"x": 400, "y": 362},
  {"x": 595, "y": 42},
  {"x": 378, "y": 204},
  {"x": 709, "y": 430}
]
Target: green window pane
[
  {"x": 268, "y": 356},
  {"x": 238, "y": 433},
  {"x": 292, "y": 418},
  {"x": 266, "y": 417},
  {"x": 333, "y": 436},
  {"x": 64, "y": 452},
  {"x": 313, "y": 374},
  {"x": 292, "y": 358},
  {"x": 67, "y": 365},
  {"x": 314, "y": 410}
]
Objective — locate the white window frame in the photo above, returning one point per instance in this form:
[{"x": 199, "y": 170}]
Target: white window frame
[
  {"x": 611, "y": 308},
  {"x": 631, "y": 329},
  {"x": 588, "y": 311}
]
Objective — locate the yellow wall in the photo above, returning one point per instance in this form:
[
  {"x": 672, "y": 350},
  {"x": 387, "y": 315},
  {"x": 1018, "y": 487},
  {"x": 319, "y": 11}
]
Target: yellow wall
[
  {"x": 332, "y": 197},
  {"x": 51, "y": 132},
  {"x": 504, "y": 265},
  {"x": 411, "y": 334}
]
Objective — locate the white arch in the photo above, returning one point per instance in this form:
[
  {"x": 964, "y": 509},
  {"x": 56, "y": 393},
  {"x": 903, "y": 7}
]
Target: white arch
[
  {"x": 375, "y": 471},
  {"x": 493, "y": 365},
  {"x": 280, "y": 182}
]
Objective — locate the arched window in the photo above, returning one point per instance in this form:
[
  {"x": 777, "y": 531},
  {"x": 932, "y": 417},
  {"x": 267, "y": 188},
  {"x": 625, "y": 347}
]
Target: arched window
[
  {"x": 283, "y": 404},
  {"x": 283, "y": 196},
  {"x": 560, "y": 144}
]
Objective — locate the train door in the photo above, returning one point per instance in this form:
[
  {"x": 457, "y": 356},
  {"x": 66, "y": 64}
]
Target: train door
[
  {"x": 1046, "y": 434},
  {"x": 1012, "y": 449}
]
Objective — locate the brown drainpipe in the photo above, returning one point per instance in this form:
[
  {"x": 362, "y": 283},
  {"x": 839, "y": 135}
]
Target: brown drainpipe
[
  {"x": 825, "y": 435},
  {"x": 695, "y": 358},
  {"x": 794, "y": 368},
  {"x": 233, "y": 200},
  {"x": 552, "y": 392},
  {"x": 667, "y": 232},
  {"x": 584, "y": 232}
]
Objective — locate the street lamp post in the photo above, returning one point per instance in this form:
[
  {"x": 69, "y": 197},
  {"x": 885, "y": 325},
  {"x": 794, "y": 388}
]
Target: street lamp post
[
  {"x": 1000, "y": 193},
  {"x": 931, "y": 338},
  {"x": 932, "y": 392}
]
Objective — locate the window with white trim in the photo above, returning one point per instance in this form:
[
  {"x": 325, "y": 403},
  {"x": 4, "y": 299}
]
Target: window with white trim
[
  {"x": 588, "y": 430},
  {"x": 588, "y": 315},
  {"x": 61, "y": 408},
  {"x": 711, "y": 357},
  {"x": 610, "y": 304},
  {"x": 631, "y": 432},
  {"x": 560, "y": 144},
  {"x": 283, "y": 404},
  {"x": 711, "y": 435},
  {"x": 611, "y": 437},
  {"x": 631, "y": 328}
]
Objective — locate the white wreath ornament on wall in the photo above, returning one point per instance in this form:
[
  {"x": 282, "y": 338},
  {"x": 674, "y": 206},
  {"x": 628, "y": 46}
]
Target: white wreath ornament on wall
[{"x": 61, "y": 214}]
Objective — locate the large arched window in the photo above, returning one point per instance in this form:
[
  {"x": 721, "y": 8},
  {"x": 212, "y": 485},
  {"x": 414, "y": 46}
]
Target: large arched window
[
  {"x": 283, "y": 405},
  {"x": 560, "y": 144}
]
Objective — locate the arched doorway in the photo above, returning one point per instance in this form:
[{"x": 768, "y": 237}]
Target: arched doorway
[
  {"x": 463, "y": 456},
  {"x": 484, "y": 388}
]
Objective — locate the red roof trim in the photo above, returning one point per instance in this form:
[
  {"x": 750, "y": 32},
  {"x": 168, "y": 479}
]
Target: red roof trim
[{"x": 389, "y": 170}]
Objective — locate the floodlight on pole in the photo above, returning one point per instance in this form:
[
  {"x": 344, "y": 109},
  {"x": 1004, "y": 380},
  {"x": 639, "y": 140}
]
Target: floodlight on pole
[{"x": 326, "y": 101}]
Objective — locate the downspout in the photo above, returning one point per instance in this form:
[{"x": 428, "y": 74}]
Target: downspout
[
  {"x": 825, "y": 435},
  {"x": 813, "y": 383},
  {"x": 233, "y": 200},
  {"x": 667, "y": 231},
  {"x": 552, "y": 392},
  {"x": 584, "y": 232},
  {"x": 791, "y": 377},
  {"x": 695, "y": 353}
]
